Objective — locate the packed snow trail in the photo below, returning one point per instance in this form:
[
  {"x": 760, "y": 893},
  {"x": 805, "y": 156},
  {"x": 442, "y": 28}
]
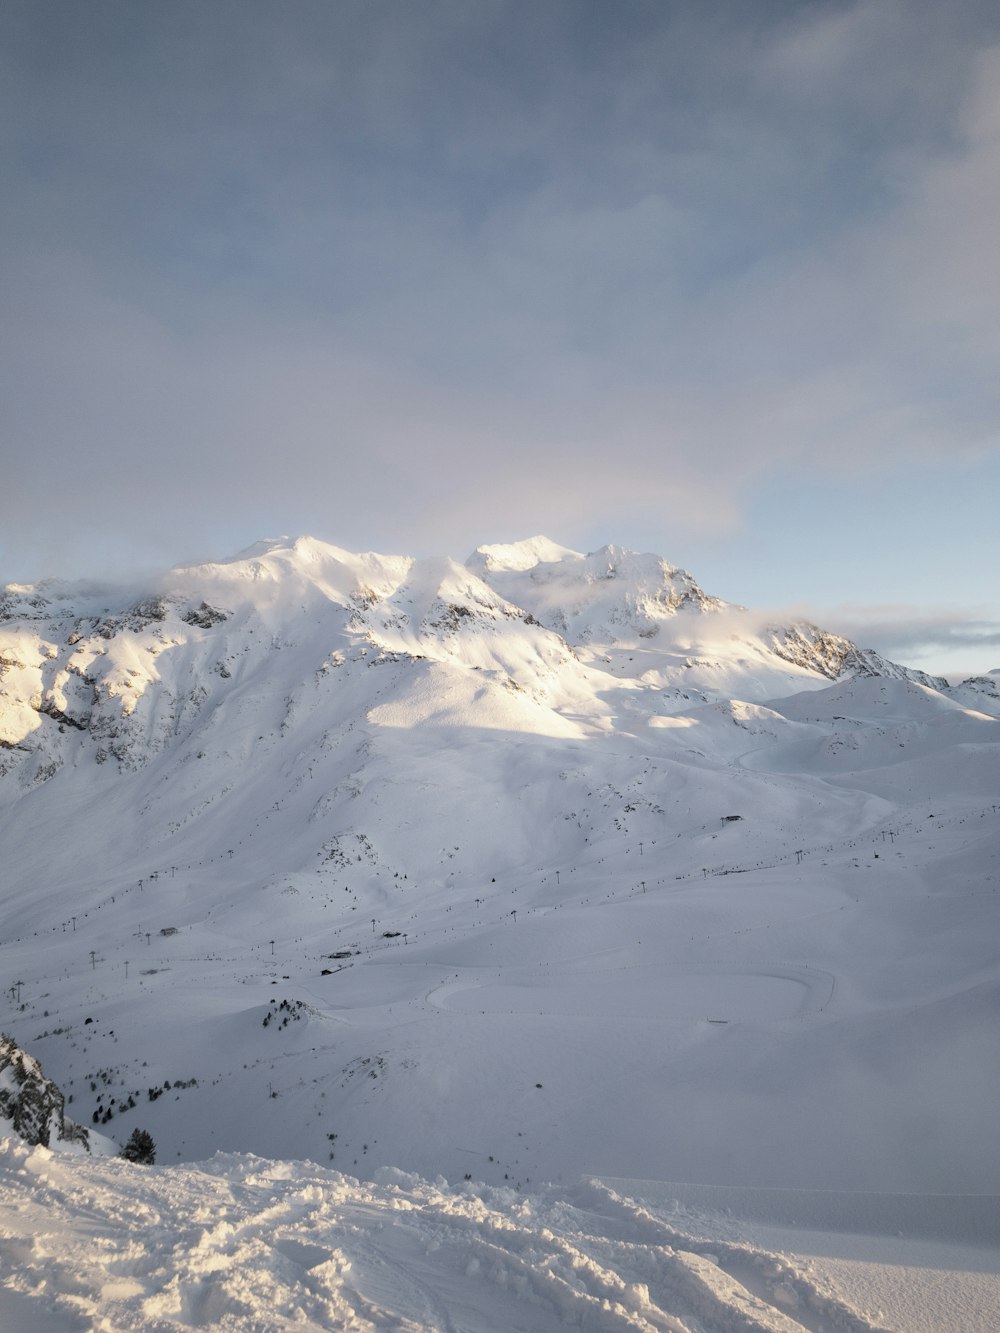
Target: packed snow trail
[{"x": 242, "y": 1243}]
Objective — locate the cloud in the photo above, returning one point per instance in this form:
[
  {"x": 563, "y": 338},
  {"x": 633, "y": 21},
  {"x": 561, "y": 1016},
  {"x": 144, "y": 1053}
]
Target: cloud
[
  {"x": 958, "y": 641},
  {"x": 388, "y": 271},
  {"x": 910, "y": 628}
]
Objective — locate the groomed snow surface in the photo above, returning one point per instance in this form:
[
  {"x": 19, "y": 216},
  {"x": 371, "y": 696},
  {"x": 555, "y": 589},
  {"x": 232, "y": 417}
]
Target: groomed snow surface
[{"x": 540, "y": 870}]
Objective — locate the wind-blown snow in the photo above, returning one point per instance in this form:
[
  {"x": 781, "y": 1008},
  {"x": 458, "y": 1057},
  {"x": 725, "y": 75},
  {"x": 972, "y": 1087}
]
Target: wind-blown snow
[{"x": 537, "y": 866}]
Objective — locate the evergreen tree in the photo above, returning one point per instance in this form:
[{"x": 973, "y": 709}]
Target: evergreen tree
[{"x": 140, "y": 1148}]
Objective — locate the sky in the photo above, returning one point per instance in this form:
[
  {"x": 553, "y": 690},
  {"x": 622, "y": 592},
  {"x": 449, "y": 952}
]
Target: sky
[{"x": 715, "y": 279}]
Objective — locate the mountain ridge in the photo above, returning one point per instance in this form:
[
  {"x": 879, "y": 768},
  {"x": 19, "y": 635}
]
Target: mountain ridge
[{"x": 564, "y": 601}]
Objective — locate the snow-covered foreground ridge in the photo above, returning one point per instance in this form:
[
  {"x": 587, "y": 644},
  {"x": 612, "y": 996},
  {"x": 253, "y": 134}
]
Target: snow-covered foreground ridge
[
  {"x": 536, "y": 866},
  {"x": 246, "y": 1244}
]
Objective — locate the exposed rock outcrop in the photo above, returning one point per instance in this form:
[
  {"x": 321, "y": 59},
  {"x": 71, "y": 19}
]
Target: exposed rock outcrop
[{"x": 31, "y": 1102}]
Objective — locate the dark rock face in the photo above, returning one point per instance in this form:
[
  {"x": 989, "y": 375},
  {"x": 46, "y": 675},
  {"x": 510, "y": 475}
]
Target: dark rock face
[
  {"x": 835, "y": 657},
  {"x": 205, "y": 616},
  {"x": 31, "y": 1102}
]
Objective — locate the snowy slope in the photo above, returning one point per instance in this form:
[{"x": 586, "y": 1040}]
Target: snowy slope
[{"x": 527, "y": 867}]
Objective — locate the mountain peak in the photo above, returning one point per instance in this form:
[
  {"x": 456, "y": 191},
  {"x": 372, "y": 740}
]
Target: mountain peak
[
  {"x": 611, "y": 595},
  {"x": 519, "y": 556}
]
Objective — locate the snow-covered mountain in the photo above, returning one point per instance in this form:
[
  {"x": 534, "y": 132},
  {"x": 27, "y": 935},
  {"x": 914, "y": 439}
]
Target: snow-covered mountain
[
  {"x": 530, "y": 865},
  {"x": 136, "y": 673}
]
